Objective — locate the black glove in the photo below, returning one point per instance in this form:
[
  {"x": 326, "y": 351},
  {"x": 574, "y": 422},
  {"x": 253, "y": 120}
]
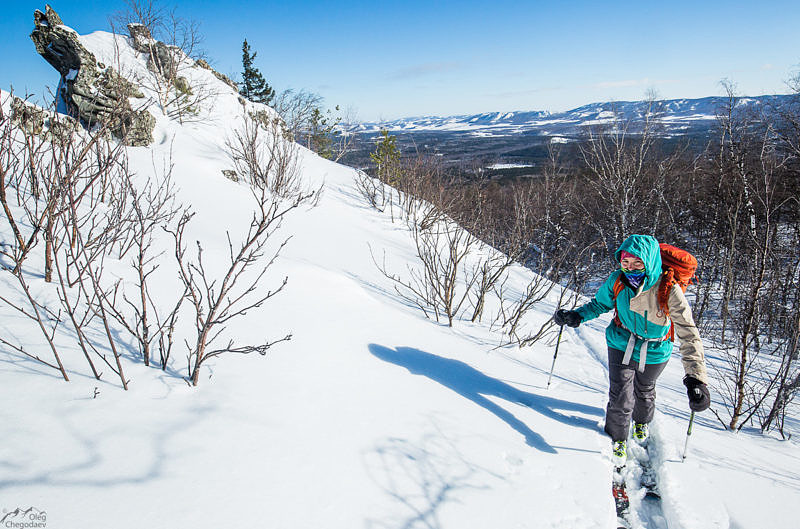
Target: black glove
[
  {"x": 699, "y": 398},
  {"x": 570, "y": 318}
]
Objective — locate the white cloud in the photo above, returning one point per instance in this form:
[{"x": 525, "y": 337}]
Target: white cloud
[
  {"x": 422, "y": 70},
  {"x": 634, "y": 82},
  {"x": 521, "y": 93}
]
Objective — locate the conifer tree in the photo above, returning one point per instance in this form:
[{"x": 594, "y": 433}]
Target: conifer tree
[
  {"x": 322, "y": 132},
  {"x": 254, "y": 87},
  {"x": 386, "y": 157}
]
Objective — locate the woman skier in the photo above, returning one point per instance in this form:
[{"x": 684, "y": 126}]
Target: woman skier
[{"x": 640, "y": 340}]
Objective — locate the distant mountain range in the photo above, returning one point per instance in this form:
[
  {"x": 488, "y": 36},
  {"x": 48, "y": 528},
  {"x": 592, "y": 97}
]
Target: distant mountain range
[{"x": 679, "y": 116}]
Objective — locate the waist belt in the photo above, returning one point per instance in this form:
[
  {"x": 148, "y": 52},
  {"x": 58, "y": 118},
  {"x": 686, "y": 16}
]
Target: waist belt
[{"x": 642, "y": 349}]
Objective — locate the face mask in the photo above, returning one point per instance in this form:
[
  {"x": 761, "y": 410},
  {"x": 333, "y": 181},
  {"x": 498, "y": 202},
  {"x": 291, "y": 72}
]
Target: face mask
[{"x": 634, "y": 277}]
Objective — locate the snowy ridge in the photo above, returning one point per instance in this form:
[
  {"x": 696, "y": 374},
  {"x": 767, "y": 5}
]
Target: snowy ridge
[
  {"x": 224, "y": 106},
  {"x": 371, "y": 417},
  {"x": 676, "y": 114}
]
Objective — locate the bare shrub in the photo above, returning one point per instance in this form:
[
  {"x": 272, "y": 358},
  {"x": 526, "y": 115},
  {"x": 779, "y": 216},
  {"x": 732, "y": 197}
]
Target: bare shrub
[
  {"x": 69, "y": 177},
  {"x": 371, "y": 189},
  {"x": 269, "y": 163},
  {"x": 346, "y": 139},
  {"x": 75, "y": 192},
  {"x": 173, "y": 47},
  {"x": 149, "y": 206},
  {"x": 441, "y": 284},
  {"x": 296, "y": 109}
]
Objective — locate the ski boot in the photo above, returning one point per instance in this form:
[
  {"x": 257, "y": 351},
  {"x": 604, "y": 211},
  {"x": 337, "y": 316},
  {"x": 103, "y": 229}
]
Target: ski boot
[
  {"x": 620, "y": 454},
  {"x": 640, "y": 433}
]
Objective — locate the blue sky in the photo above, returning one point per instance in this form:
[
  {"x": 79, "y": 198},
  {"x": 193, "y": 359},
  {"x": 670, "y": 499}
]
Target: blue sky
[{"x": 410, "y": 58}]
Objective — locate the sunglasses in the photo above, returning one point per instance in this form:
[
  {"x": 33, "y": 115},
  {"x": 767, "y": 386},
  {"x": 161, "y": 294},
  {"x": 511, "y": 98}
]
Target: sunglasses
[{"x": 636, "y": 271}]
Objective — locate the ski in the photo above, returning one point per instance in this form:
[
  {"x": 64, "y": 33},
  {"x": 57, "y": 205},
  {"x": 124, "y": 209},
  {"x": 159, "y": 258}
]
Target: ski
[
  {"x": 621, "y": 500},
  {"x": 648, "y": 479}
]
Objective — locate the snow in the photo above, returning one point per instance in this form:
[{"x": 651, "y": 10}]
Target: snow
[
  {"x": 508, "y": 166},
  {"x": 677, "y": 114},
  {"x": 371, "y": 416}
]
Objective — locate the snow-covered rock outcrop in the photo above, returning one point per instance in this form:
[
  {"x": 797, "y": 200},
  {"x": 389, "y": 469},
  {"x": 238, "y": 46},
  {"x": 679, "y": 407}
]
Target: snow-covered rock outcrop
[{"x": 93, "y": 92}]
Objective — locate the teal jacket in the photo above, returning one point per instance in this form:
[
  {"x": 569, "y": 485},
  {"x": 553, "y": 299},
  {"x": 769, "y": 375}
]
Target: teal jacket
[{"x": 644, "y": 320}]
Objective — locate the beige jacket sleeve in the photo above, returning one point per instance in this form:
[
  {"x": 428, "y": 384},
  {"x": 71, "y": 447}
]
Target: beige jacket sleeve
[{"x": 691, "y": 346}]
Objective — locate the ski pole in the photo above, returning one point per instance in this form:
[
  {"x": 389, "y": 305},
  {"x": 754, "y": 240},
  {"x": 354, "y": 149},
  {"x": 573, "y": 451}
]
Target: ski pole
[
  {"x": 688, "y": 434},
  {"x": 558, "y": 342}
]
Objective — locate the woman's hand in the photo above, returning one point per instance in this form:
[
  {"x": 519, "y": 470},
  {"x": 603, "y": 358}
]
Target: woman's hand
[
  {"x": 570, "y": 318},
  {"x": 699, "y": 398}
]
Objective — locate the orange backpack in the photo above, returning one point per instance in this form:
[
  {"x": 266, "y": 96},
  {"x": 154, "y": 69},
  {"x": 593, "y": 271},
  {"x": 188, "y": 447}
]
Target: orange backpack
[{"x": 679, "y": 267}]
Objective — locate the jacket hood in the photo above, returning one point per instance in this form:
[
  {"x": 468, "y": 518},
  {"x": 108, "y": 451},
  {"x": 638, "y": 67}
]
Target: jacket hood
[{"x": 646, "y": 248}]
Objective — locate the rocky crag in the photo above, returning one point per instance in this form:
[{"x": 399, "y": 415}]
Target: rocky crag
[{"x": 92, "y": 92}]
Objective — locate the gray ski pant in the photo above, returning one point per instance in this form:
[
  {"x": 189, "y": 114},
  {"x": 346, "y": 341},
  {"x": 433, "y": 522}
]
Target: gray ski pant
[{"x": 631, "y": 394}]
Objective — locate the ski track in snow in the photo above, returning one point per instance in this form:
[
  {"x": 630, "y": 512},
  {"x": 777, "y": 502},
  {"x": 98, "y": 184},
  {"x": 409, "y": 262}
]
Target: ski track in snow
[{"x": 649, "y": 512}]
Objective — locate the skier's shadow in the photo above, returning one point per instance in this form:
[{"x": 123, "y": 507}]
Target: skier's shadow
[{"x": 475, "y": 386}]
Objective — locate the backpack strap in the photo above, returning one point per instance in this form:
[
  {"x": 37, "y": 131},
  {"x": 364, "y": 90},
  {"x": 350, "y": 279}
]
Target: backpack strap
[
  {"x": 618, "y": 286},
  {"x": 665, "y": 289}
]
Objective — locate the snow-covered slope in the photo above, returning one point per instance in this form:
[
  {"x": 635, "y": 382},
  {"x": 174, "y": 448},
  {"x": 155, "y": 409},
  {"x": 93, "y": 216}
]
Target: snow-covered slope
[
  {"x": 372, "y": 416},
  {"x": 677, "y": 116}
]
